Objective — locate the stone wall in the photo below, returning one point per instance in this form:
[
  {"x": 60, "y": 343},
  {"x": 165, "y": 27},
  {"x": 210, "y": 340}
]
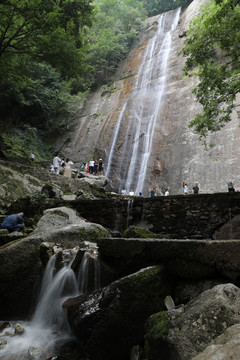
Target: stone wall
[{"x": 181, "y": 217}]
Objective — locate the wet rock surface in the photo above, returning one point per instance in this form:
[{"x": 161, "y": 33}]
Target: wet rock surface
[
  {"x": 117, "y": 313},
  {"x": 183, "y": 335}
]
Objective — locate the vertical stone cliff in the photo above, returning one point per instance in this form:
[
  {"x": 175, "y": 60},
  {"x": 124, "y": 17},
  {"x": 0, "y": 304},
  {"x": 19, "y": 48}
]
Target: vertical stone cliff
[{"x": 176, "y": 154}]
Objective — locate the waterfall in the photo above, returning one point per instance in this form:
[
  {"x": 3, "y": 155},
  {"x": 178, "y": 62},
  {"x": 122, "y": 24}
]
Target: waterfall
[
  {"x": 129, "y": 211},
  {"x": 142, "y": 108},
  {"x": 115, "y": 136},
  {"x": 49, "y": 325},
  {"x": 89, "y": 272},
  {"x": 55, "y": 290}
]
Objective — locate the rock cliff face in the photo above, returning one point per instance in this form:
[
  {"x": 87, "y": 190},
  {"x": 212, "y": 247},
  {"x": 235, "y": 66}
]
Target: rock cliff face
[{"x": 129, "y": 126}]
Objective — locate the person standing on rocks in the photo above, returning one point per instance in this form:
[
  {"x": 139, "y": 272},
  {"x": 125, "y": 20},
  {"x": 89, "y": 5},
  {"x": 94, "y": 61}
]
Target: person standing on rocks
[
  {"x": 56, "y": 162},
  {"x": 14, "y": 222},
  {"x": 230, "y": 185},
  {"x": 91, "y": 167},
  {"x": 67, "y": 169},
  {"x": 96, "y": 164},
  {"x": 100, "y": 167},
  {"x": 195, "y": 189},
  {"x": 185, "y": 188},
  {"x": 153, "y": 192},
  {"x": 123, "y": 191}
]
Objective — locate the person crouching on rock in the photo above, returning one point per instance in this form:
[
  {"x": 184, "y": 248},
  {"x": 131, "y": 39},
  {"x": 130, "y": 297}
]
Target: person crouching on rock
[{"x": 14, "y": 222}]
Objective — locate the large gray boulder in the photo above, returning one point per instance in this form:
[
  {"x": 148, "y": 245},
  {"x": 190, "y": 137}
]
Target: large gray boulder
[
  {"x": 182, "y": 334},
  {"x": 62, "y": 225},
  {"x": 109, "y": 322},
  {"x": 224, "y": 347}
]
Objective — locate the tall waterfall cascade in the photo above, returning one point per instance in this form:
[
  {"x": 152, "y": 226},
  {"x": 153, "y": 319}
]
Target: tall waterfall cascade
[
  {"x": 141, "y": 110},
  {"x": 48, "y": 326}
]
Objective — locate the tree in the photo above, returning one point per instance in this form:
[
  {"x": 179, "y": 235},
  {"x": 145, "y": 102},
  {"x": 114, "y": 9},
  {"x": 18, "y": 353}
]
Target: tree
[
  {"x": 47, "y": 30},
  {"x": 112, "y": 36},
  {"x": 212, "y": 47}
]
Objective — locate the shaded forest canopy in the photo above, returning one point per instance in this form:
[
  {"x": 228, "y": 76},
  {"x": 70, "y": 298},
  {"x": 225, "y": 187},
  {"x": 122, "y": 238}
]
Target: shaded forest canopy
[{"x": 53, "y": 53}]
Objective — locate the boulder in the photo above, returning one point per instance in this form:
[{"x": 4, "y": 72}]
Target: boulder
[
  {"x": 4, "y": 325},
  {"x": 117, "y": 313},
  {"x": 179, "y": 335},
  {"x": 62, "y": 225},
  {"x": 52, "y": 190},
  {"x": 3, "y": 343},
  {"x": 224, "y": 347},
  {"x": 20, "y": 268},
  {"x": 19, "y": 329}
]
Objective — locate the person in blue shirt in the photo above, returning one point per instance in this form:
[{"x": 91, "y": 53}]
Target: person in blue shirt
[
  {"x": 14, "y": 222},
  {"x": 153, "y": 192}
]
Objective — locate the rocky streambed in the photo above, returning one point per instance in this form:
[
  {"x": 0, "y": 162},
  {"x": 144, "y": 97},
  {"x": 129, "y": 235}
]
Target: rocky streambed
[{"x": 79, "y": 293}]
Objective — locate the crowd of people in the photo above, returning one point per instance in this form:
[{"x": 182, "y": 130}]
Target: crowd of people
[
  {"x": 151, "y": 191},
  {"x": 93, "y": 167},
  {"x": 96, "y": 167}
]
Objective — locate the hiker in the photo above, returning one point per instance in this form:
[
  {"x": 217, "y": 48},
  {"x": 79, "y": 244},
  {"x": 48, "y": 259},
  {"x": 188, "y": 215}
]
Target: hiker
[
  {"x": 153, "y": 192},
  {"x": 195, "y": 189},
  {"x": 230, "y": 185},
  {"x": 56, "y": 162},
  {"x": 123, "y": 191},
  {"x": 100, "y": 167},
  {"x": 67, "y": 170},
  {"x": 185, "y": 188},
  {"x": 14, "y": 222}
]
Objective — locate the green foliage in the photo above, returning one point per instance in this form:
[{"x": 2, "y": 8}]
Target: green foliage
[
  {"x": 155, "y": 7},
  {"x": 212, "y": 45},
  {"x": 41, "y": 55},
  {"x": 112, "y": 36},
  {"x": 21, "y": 142},
  {"x": 46, "y": 30}
]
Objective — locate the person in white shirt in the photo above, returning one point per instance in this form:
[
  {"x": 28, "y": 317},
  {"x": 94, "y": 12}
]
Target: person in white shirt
[
  {"x": 56, "y": 162},
  {"x": 166, "y": 192},
  {"x": 123, "y": 191},
  {"x": 131, "y": 192},
  {"x": 91, "y": 166}
]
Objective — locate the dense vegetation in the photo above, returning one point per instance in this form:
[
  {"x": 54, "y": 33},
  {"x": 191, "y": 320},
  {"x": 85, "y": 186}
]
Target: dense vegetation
[
  {"x": 213, "y": 54},
  {"x": 54, "y": 52}
]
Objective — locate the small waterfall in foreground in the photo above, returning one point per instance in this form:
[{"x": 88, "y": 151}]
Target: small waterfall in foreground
[
  {"x": 49, "y": 327},
  {"x": 141, "y": 109},
  {"x": 89, "y": 272}
]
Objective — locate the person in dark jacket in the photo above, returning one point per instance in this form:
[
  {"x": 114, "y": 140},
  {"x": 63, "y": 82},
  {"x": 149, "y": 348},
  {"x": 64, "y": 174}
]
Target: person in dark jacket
[{"x": 14, "y": 222}]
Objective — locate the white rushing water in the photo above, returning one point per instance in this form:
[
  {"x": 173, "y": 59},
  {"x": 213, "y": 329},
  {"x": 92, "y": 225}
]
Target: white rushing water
[
  {"x": 141, "y": 110},
  {"x": 49, "y": 325}
]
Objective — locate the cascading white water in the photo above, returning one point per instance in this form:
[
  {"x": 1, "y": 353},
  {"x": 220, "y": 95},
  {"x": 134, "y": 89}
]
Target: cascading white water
[
  {"x": 89, "y": 272},
  {"x": 142, "y": 108},
  {"x": 115, "y": 135},
  {"x": 49, "y": 311},
  {"x": 49, "y": 322}
]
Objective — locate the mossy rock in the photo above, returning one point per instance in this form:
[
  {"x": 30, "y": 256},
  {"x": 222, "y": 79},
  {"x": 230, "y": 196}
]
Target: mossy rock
[
  {"x": 140, "y": 233},
  {"x": 156, "y": 327},
  {"x": 120, "y": 313}
]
